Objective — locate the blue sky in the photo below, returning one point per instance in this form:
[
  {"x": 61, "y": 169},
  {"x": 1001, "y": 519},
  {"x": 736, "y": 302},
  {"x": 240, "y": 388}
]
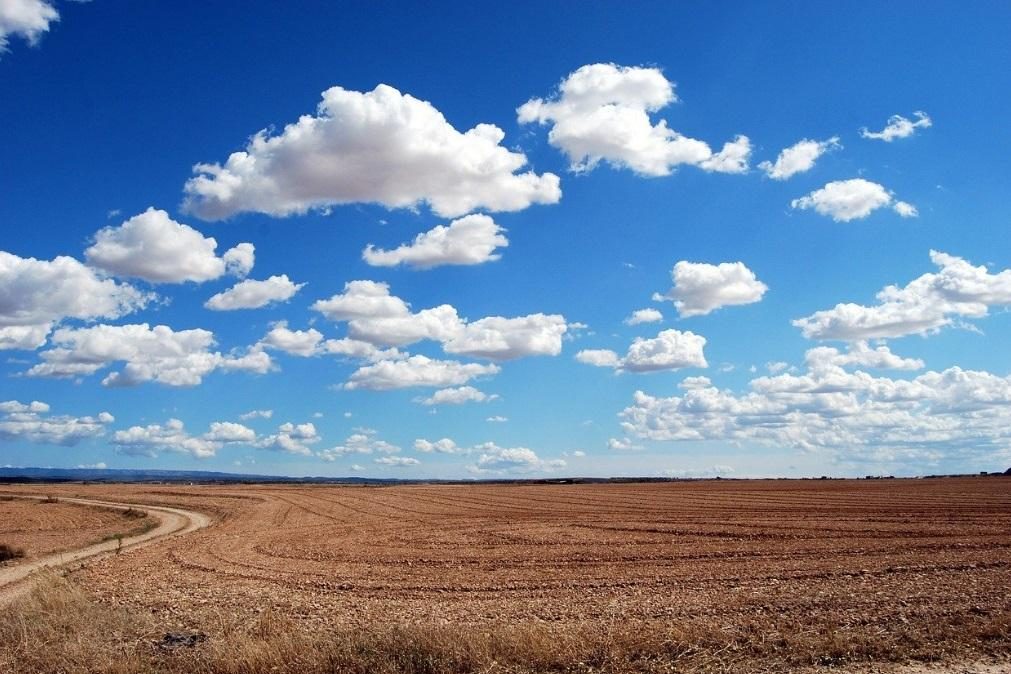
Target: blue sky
[{"x": 795, "y": 160}]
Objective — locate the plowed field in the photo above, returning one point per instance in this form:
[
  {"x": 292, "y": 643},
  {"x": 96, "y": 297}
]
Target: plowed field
[
  {"x": 38, "y": 528},
  {"x": 863, "y": 568}
]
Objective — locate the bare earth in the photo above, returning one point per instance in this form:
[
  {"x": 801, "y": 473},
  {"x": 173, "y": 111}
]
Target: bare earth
[
  {"x": 800, "y": 573},
  {"x": 40, "y": 528}
]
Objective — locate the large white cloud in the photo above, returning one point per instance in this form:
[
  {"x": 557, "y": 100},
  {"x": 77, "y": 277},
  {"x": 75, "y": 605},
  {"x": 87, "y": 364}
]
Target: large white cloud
[
  {"x": 292, "y": 439},
  {"x": 417, "y": 371},
  {"x": 36, "y": 294},
  {"x": 174, "y": 358},
  {"x": 33, "y": 422},
  {"x": 601, "y": 112},
  {"x": 851, "y": 415},
  {"x": 845, "y": 200},
  {"x": 375, "y": 316},
  {"x": 470, "y": 240},
  {"x": 307, "y": 343},
  {"x": 798, "y": 158},
  {"x": 899, "y": 127},
  {"x": 156, "y": 248},
  {"x": 701, "y": 288},
  {"x": 28, "y": 19},
  {"x": 924, "y": 305},
  {"x": 173, "y": 437},
  {"x": 378, "y": 147},
  {"x": 669, "y": 350},
  {"x": 250, "y": 294}
]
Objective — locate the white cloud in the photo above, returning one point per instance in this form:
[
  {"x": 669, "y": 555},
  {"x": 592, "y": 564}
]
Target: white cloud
[
  {"x": 228, "y": 431},
  {"x": 601, "y": 113},
  {"x": 172, "y": 437},
  {"x": 701, "y": 288},
  {"x": 899, "y": 127},
  {"x": 291, "y": 439},
  {"x": 845, "y": 200},
  {"x": 859, "y": 354},
  {"x": 443, "y": 446},
  {"x": 154, "y": 247},
  {"x": 257, "y": 414},
  {"x": 497, "y": 419},
  {"x": 644, "y": 316},
  {"x": 622, "y": 445},
  {"x": 458, "y": 396},
  {"x": 174, "y": 358},
  {"x": 296, "y": 342},
  {"x": 377, "y": 147},
  {"x": 417, "y": 371},
  {"x": 310, "y": 342},
  {"x": 362, "y": 441},
  {"x": 923, "y": 306},
  {"x": 377, "y": 317},
  {"x": 512, "y": 460},
  {"x": 798, "y": 158},
  {"x": 777, "y": 367},
  {"x": 470, "y": 240},
  {"x": 250, "y": 294},
  {"x": 669, "y": 350},
  {"x": 499, "y": 338},
  {"x": 28, "y": 19},
  {"x": 36, "y": 294},
  {"x": 696, "y": 473},
  {"x": 32, "y": 422},
  {"x": 851, "y": 416},
  {"x": 397, "y": 461}
]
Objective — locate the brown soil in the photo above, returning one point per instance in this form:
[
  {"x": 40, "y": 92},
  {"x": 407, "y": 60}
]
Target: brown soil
[
  {"x": 41, "y": 528},
  {"x": 748, "y": 576}
]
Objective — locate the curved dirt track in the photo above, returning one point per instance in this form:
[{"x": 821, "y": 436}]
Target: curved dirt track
[{"x": 171, "y": 522}]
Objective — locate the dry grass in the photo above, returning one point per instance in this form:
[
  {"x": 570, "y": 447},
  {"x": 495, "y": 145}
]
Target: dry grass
[{"x": 58, "y": 628}]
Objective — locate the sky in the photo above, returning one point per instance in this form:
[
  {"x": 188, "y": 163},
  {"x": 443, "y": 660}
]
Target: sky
[{"x": 686, "y": 240}]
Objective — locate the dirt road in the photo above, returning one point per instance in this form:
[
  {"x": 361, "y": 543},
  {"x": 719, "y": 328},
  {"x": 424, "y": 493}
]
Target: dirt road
[{"x": 171, "y": 522}]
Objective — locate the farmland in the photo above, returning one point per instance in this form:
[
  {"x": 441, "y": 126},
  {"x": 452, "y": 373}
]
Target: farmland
[
  {"x": 707, "y": 576},
  {"x": 37, "y": 527}
]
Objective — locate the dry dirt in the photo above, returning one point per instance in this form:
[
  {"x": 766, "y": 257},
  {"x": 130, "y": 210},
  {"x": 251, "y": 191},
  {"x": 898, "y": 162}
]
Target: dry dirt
[
  {"x": 797, "y": 572},
  {"x": 40, "y": 528}
]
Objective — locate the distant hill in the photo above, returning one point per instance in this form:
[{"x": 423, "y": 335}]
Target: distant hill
[{"x": 175, "y": 476}]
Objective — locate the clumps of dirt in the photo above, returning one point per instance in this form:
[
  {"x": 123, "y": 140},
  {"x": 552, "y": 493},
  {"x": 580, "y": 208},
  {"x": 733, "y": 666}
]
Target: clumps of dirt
[{"x": 134, "y": 514}]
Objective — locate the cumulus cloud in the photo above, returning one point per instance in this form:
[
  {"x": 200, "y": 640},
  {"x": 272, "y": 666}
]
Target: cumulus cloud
[
  {"x": 845, "y": 200},
  {"x": 798, "y": 158},
  {"x": 28, "y": 19},
  {"x": 362, "y": 441},
  {"x": 291, "y": 439},
  {"x": 154, "y": 247},
  {"x": 641, "y": 316},
  {"x": 32, "y": 422},
  {"x": 601, "y": 112},
  {"x": 250, "y": 294},
  {"x": 416, "y": 371},
  {"x": 850, "y": 415},
  {"x": 458, "y": 396},
  {"x": 173, "y": 437},
  {"x": 375, "y": 316},
  {"x": 926, "y": 304},
  {"x": 380, "y": 147},
  {"x": 310, "y": 342},
  {"x": 442, "y": 446},
  {"x": 470, "y": 240},
  {"x": 669, "y": 350},
  {"x": 37, "y": 294},
  {"x": 899, "y": 127},
  {"x": 700, "y": 288},
  {"x": 860, "y": 354},
  {"x": 495, "y": 459},
  {"x": 160, "y": 354},
  {"x": 257, "y": 414}
]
